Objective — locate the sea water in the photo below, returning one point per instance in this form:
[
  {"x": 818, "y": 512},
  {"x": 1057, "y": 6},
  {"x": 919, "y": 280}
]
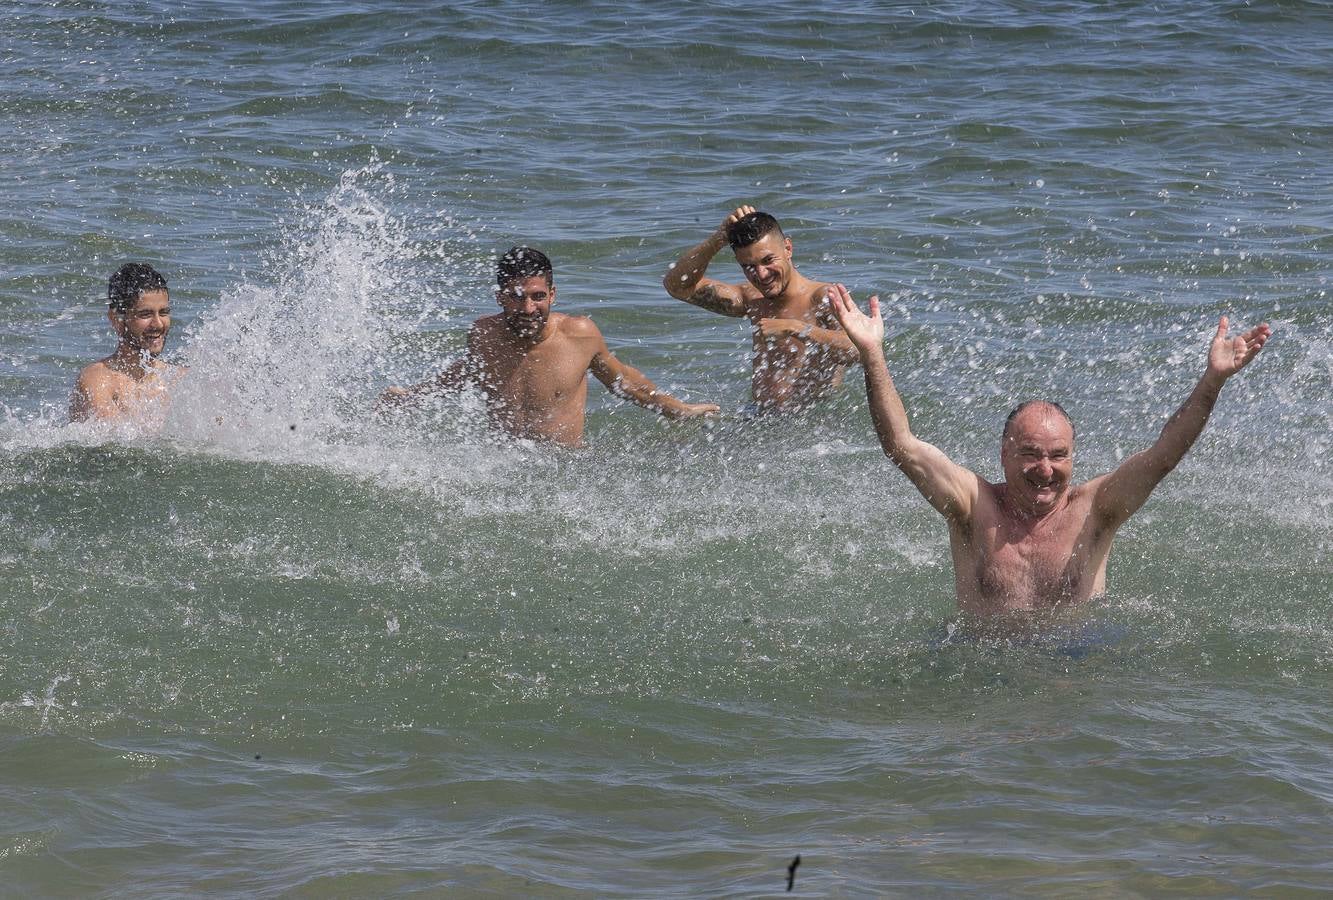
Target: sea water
[{"x": 282, "y": 646}]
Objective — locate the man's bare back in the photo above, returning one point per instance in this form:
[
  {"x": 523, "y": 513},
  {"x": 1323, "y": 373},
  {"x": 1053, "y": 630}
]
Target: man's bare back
[
  {"x": 1035, "y": 541},
  {"x": 800, "y": 352},
  {"x": 531, "y": 364}
]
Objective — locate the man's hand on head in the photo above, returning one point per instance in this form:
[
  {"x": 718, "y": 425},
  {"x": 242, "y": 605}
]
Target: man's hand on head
[{"x": 736, "y": 215}]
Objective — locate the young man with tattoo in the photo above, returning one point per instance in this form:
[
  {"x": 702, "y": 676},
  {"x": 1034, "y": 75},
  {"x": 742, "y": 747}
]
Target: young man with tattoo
[{"x": 800, "y": 350}]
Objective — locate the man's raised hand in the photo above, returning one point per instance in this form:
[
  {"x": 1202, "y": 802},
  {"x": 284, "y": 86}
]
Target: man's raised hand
[
  {"x": 1227, "y": 356},
  {"x": 736, "y": 215},
  {"x": 865, "y": 331}
]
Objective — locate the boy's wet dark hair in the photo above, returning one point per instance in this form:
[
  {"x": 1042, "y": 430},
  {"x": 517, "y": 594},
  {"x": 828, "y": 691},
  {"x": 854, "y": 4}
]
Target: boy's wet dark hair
[
  {"x": 751, "y": 228},
  {"x": 128, "y": 282},
  {"x": 518, "y": 263}
]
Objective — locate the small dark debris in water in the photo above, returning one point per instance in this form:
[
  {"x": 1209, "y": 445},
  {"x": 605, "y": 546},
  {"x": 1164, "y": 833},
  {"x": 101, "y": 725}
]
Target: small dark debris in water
[
  {"x": 292, "y": 427},
  {"x": 747, "y": 620},
  {"x": 791, "y": 871},
  {"x": 257, "y": 756}
]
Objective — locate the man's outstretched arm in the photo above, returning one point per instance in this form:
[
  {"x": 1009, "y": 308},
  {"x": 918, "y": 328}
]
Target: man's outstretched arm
[
  {"x": 685, "y": 279},
  {"x": 1119, "y": 494},
  {"x": 453, "y": 378},
  {"x": 949, "y": 487},
  {"x": 629, "y": 383}
]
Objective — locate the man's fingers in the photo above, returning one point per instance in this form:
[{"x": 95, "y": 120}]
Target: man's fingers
[
  {"x": 842, "y": 302},
  {"x": 1221, "y": 328},
  {"x": 739, "y": 213}
]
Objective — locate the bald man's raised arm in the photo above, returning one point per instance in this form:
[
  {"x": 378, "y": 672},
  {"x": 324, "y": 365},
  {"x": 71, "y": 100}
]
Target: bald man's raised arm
[{"x": 949, "y": 487}]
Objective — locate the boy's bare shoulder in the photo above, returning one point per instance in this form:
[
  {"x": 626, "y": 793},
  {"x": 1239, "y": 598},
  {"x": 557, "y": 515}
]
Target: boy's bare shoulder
[{"x": 94, "y": 374}]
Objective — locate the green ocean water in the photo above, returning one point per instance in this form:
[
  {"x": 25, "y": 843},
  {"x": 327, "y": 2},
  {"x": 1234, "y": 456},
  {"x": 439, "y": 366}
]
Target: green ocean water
[{"x": 281, "y": 647}]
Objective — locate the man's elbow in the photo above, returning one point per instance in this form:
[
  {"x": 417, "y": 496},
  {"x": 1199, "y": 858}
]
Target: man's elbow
[
  {"x": 675, "y": 284},
  {"x": 906, "y": 454},
  {"x": 680, "y": 293}
]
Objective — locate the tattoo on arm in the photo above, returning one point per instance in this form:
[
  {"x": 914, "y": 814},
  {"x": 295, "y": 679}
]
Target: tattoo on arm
[{"x": 709, "y": 298}]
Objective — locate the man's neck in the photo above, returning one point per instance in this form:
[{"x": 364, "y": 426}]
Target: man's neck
[
  {"x": 1025, "y": 515},
  {"x": 131, "y": 361},
  {"x": 528, "y": 342},
  {"x": 799, "y": 288}
]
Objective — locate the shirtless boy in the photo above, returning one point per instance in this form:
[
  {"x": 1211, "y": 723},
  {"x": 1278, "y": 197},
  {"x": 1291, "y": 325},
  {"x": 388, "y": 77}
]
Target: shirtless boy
[
  {"x": 132, "y": 381},
  {"x": 1034, "y": 541},
  {"x": 532, "y": 364},
  {"x": 800, "y": 352}
]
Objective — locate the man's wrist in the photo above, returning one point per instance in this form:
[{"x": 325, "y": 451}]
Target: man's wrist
[{"x": 1214, "y": 378}]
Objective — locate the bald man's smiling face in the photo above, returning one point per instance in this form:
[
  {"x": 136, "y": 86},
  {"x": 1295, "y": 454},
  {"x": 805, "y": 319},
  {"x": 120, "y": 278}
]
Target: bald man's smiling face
[{"x": 1037, "y": 455}]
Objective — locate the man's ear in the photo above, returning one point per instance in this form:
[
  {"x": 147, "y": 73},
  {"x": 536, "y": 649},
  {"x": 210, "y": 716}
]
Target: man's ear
[
  {"x": 117, "y": 322},
  {"x": 787, "y": 241}
]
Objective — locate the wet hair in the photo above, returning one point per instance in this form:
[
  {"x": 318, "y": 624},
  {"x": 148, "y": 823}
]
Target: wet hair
[
  {"x": 1013, "y": 414},
  {"x": 518, "y": 263},
  {"x": 128, "y": 282},
  {"x": 751, "y": 228}
]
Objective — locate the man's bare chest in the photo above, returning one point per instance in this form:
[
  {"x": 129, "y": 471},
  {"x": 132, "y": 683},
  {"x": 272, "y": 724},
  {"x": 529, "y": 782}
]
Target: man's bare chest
[
  {"x": 1047, "y": 560},
  {"x": 127, "y": 391},
  {"x": 801, "y": 308},
  {"x": 540, "y": 376}
]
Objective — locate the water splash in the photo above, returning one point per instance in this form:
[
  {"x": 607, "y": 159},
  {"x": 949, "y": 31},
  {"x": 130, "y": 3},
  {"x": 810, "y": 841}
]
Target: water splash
[{"x": 299, "y": 357}]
